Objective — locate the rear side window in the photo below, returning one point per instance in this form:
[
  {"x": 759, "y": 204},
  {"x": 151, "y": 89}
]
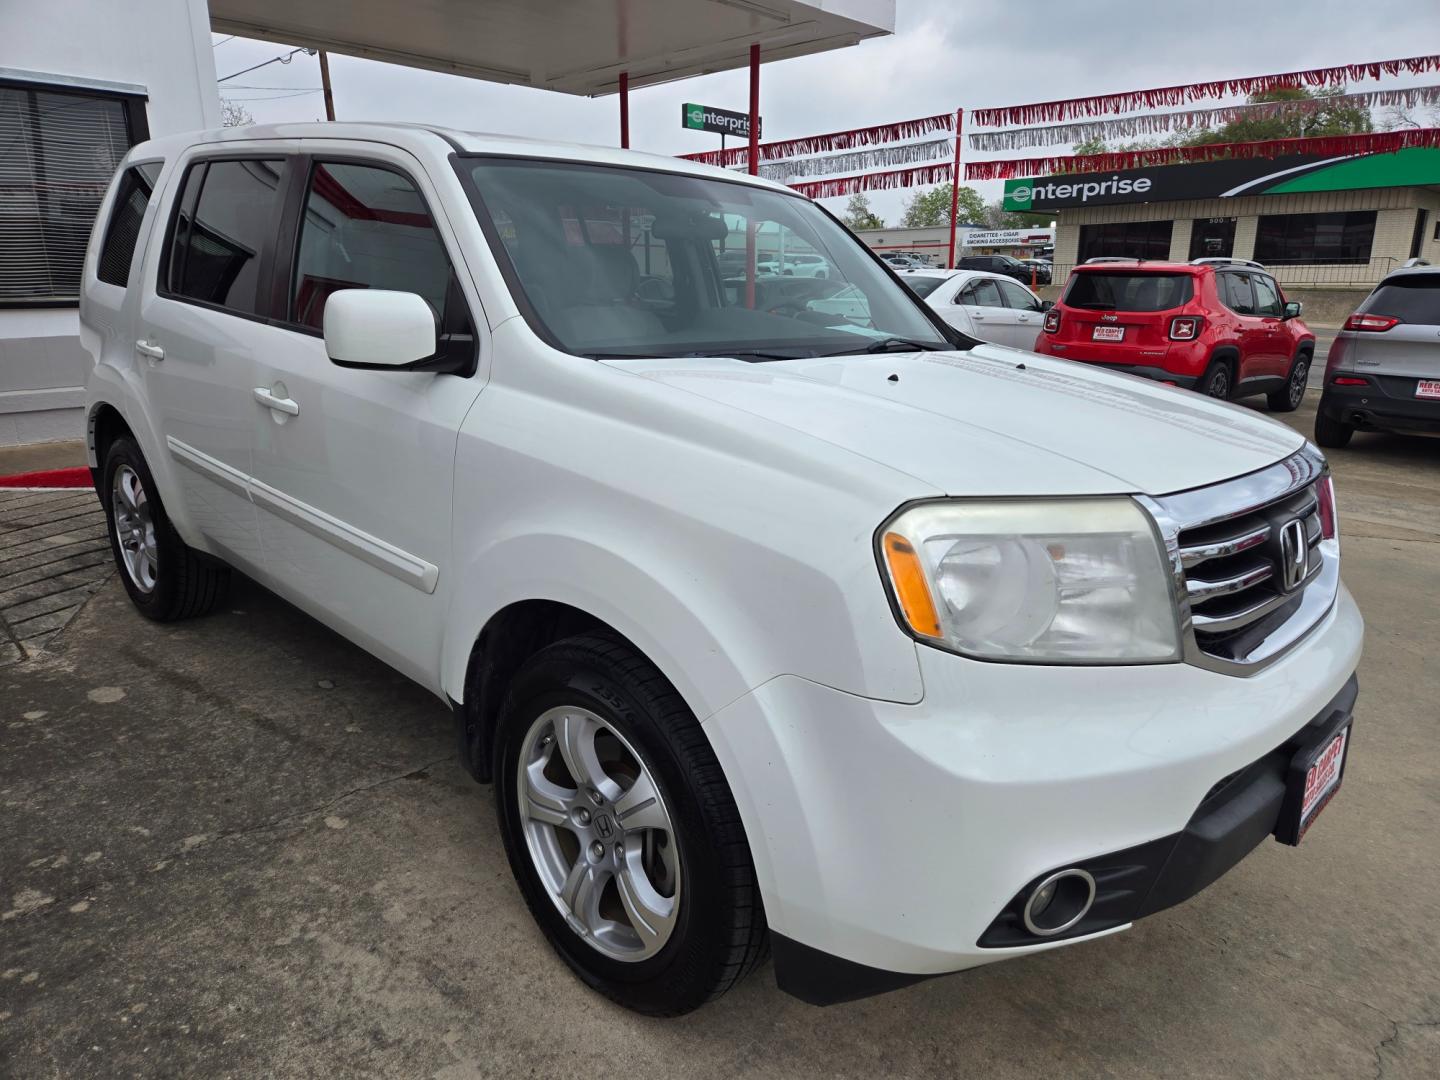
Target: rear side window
[
  {"x": 121, "y": 234},
  {"x": 1101, "y": 291},
  {"x": 1413, "y": 298},
  {"x": 367, "y": 227},
  {"x": 1235, "y": 293},
  {"x": 225, "y": 219}
]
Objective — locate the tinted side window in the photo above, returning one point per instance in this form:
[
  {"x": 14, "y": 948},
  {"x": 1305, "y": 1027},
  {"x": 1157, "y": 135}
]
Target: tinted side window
[
  {"x": 1235, "y": 293},
  {"x": 1267, "y": 297},
  {"x": 1016, "y": 297},
  {"x": 123, "y": 230},
  {"x": 366, "y": 227},
  {"x": 215, "y": 257},
  {"x": 983, "y": 293}
]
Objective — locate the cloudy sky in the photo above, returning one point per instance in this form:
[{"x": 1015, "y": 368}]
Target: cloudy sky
[{"x": 944, "y": 54}]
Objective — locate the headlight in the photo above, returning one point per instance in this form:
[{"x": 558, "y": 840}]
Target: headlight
[{"x": 1048, "y": 581}]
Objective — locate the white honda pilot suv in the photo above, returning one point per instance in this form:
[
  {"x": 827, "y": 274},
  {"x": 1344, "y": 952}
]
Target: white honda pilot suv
[{"x": 778, "y": 625}]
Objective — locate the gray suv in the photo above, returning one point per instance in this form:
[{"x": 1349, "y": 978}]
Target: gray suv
[{"x": 1383, "y": 373}]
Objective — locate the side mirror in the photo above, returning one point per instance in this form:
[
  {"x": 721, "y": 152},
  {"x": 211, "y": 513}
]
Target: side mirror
[
  {"x": 1046, "y": 305},
  {"x": 378, "y": 328},
  {"x": 1293, "y": 309}
]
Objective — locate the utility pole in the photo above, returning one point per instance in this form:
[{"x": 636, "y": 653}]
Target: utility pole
[{"x": 325, "y": 85}]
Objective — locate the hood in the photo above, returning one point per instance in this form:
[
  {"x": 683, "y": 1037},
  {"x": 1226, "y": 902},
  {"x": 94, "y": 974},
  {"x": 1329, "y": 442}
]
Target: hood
[{"x": 995, "y": 421}]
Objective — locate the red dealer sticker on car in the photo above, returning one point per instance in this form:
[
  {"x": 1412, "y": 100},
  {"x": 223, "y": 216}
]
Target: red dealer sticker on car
[
  {"x": 1428, "y": 388},
  {"x": 1322, "y": 780}
]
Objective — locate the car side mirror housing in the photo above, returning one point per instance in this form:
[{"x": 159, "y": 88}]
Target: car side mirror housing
[
  {"x": 378, "y": 329},
  {"x": 1046, "y": 305},
  {"x": 1293, "y": 309}
]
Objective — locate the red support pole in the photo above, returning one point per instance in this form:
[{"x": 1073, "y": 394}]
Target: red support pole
[
  {"x": 955, "y": 186},
  {"x": 624, "y": 110},
  {"x": 754, "y": 170}
]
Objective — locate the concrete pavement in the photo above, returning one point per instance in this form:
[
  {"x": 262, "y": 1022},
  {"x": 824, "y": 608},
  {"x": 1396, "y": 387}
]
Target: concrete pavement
[{"x": 238, "y": 846}]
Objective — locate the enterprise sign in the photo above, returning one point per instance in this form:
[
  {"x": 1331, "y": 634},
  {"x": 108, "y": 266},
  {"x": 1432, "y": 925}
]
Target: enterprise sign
[{"x": 1417, "y": 167}]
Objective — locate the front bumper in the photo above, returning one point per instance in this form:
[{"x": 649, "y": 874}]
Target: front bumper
[
  {"x": 889, "y": 838},
  {"x": 1385, "y": 403}
]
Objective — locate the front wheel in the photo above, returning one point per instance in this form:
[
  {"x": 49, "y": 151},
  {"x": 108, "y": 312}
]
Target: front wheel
[
  {"x": 621, "y": 830},
  {"x": 1216, "y": 382},
  {"x": 1289, "y": 396},
  {"x": 1331, "y": 433}
]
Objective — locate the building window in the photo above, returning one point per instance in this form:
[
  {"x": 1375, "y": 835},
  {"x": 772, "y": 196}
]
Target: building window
[
  {"x": 1126, "y": 240},
  {"x": 1339, "y": 238},
  {"x": 61, "y": 148}
]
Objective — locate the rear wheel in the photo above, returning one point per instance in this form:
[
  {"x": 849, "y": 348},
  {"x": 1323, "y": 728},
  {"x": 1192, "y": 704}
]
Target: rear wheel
[
  {"x": 621, "y": 830},
  {"x": 1289, "y": 396},
  {"x": 1331, "y": 433},
  {"x": 166, "y": 579},
  {"x": 1216, "y": 382}
]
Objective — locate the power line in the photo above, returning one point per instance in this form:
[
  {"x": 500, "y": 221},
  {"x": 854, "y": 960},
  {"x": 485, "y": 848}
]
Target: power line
[
  {"x": 273, "y": 60},
  {"x": 217, "y": 44}
]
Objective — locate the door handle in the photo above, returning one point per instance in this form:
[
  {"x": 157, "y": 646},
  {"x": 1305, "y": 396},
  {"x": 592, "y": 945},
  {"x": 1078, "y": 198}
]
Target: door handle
[
  {"x": 289, "y": 406},
  {"x": 154, "y": 352}
]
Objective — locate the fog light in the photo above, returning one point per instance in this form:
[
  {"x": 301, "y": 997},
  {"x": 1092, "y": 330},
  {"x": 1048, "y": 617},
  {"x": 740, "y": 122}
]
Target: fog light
[{"x": 1059, "y": 902}]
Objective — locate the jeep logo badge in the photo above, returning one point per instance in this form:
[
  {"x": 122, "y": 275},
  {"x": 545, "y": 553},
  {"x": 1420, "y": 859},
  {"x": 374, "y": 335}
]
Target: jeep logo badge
[{"x": 1294, "y": 554}]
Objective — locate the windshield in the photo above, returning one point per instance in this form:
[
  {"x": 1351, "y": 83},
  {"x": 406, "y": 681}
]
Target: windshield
[
  {"x": 632, "y": 262},
  {"x": 922, "y": 286}
]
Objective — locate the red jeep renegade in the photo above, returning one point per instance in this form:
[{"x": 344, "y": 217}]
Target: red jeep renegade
[{"x": 1221, "y": 328}]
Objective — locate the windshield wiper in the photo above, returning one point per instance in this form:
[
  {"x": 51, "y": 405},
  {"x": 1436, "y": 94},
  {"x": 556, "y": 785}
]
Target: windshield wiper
[
  {"x": 738, "y": 354},
  {"x": 896, "y": 344}
]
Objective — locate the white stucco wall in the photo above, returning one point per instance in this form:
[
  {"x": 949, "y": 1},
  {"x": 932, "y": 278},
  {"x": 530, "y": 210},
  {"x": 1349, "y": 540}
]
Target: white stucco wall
[{"x": 162, "y": 46}]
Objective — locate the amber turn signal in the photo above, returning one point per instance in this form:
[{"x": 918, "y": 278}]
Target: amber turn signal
[{"x": 911, "y": 589}]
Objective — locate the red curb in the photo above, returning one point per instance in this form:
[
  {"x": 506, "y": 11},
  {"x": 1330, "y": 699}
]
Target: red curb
[{"x": 49, "y": 478}]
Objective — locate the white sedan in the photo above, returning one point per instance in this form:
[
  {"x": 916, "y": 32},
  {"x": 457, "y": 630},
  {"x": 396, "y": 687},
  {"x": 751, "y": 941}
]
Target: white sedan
[{"x": 987, "y": 306}]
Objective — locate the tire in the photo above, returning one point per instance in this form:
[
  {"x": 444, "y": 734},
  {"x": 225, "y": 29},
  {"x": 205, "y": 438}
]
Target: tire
[
  {"x": 1331, "y": 433},
  {"x": 1289, "y": 396},
  {"x": 166, "y": 578},
  {"x": 596, "y": 691},
  {"x": 1217, "y": 382}
]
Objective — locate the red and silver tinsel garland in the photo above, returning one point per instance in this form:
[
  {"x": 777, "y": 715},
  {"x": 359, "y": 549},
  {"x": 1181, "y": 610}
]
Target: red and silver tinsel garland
[
  {"x": 835, "y": 140},
  {"x": 1149, "y": 123},
  {"x": 1131, "y": 100},
  {"x": 879, "y": 181},
  {"x": 860, "y": 161},
  {"x": 1380, "y": 142}
]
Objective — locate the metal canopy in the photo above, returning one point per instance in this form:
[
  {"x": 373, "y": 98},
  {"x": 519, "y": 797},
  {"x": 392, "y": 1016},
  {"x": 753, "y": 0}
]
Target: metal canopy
[{"x": 573, "y": 46}]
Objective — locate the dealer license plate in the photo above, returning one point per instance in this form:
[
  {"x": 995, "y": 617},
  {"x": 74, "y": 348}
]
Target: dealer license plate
[
  {"x": 1322, "y": 780},
  {"x": 1113, "y": 333},
  {"x": 1428, "y": 388}
]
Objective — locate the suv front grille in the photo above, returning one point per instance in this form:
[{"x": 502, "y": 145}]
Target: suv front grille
[
  {"x": 1245, "y": 596},
  {"x": 1234, "y": 578}
]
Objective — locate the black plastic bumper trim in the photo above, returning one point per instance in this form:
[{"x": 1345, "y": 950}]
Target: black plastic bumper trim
[{"x": 819, "y": 978}]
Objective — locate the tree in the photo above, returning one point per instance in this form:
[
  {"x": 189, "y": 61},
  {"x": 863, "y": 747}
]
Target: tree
[
  {"x": 997, "y": 217},
  {"x": 858, "y": 214},
  {"x": 233, "y": 114},
  {"x": 1336, "y": 118},
  {"x": 932, "y": 207},
  {"x": 1331, "y": 119}
]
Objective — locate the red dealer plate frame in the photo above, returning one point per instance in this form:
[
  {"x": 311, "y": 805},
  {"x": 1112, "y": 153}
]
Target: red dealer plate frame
[{"x": 1314, "y": 777}]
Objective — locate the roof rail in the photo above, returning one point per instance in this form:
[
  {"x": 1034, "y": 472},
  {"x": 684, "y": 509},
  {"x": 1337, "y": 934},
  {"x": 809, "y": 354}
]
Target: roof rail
[
  {"x": 1217, "y": 260},
  {"x": 1111, "y": 259},
  {"x": 1411, "y": 263}
]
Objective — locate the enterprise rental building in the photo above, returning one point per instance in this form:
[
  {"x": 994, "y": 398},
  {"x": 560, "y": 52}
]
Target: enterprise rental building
[{"x": 1319, "y": 222}]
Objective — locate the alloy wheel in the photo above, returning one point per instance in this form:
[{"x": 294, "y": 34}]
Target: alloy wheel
[
  {"x": 1298, "y": 378},
  {"x": 599, "y": 834},
  {"x": 1220, "y": 383},
  {"x": 134, "y": 528}
]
